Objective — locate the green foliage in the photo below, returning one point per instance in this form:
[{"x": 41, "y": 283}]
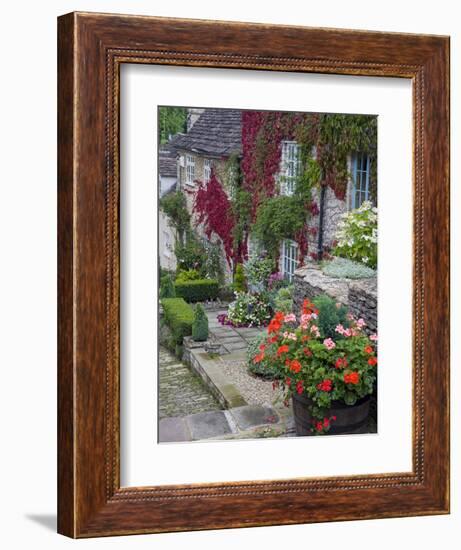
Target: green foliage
[
  {"x": 200, "y": 324},
  {"x": 278, "y": 218},
  {"x": 347, "y": 269},
  {"x": 284, "y": 216},
  {"x": 284, "y": 299},
  {"x": 179, "y": 317},
  {"x": 249, "y": 310},
  {"x": 174, "y": 205},
  {"x": 190, "y": 254},
  {"x": 187, "y": 275},
  {"x": 167, "y": 289},
  {"x": 171, "y": 120},
  {"x": 265, "y": 368},
  {"x": 358, "y": 235},
  {"x": 198, "y": 290},
  {"x": 240, "y": 284},
  {"x": 331, "y": 314},
  {"x": 258, "y": 270},
  {"x": 212, "y": 266}
]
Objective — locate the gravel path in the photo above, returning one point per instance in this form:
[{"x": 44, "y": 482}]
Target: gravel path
[{"x": 255, "y": 390}]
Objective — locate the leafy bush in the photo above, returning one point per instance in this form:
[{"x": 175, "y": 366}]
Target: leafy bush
[
  {"x": 258, "y": 270},
  {"x": 190, "y": 255},
  {"x": 240, "y": 284},
  {"x": 330, "y": 315},
  {"x": 179, "y": 316},
  {"x": 347, "y": 269},
  {"x": 198, "y": 290},
  {"x": 265, "y": 368},
  {"x": 167, "y": 289},
  {"x": 249, "y": 310},
  {"x": 358, "y": 235},
  {"x": 284, "y": 299},
  {"x": 187, "y": 275},
  {"x": 200, "y": 324},
  {"x": 174, "y": 205}
]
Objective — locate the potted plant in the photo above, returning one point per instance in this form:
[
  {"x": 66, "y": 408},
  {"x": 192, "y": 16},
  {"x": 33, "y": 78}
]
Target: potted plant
[{"x": 327, "y": 369}]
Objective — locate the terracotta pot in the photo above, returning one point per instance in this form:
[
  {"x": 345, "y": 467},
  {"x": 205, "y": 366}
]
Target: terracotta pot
[{"x": 349, "y": 418}]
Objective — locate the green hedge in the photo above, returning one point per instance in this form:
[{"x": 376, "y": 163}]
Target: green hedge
[
  {"x": 179, "y": 316},
  {"x": 198, "y": 290}
]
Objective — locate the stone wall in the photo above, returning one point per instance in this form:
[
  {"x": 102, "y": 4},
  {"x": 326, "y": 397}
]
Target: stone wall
[{"x": 358, "y": 295}]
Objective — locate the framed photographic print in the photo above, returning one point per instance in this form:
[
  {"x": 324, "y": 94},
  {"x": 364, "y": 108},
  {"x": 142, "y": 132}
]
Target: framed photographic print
[{"x": 253, "y": 275}]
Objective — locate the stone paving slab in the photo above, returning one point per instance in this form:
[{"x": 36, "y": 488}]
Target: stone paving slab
[
  {"x": 173, "y": 430},
  {"x": 251, "y": 416},
  {"x": 208, "y": 424}
]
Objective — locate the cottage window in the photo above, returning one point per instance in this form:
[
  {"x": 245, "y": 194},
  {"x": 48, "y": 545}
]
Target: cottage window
[
  {"x": 289, "y": 259},
  {"x": 360, "y": 179},
  {"x": 290, "y": 167},
  {"x": 207, "y": 164},
  {"x": 190, "y": 170}
]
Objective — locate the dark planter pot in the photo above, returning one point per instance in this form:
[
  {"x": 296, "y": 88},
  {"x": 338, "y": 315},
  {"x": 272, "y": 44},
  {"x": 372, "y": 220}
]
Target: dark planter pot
[{"x": 349, "y": 418}]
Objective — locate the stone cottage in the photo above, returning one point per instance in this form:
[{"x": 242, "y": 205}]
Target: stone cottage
[{"x": 214, "y": 135}]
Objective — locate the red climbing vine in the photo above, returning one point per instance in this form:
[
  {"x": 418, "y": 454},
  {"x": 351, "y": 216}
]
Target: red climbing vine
[{"x": 214, "y": 210}]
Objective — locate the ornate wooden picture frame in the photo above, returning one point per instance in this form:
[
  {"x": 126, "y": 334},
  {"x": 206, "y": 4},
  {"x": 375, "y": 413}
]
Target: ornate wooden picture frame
[{"x": 92, "y": 48}]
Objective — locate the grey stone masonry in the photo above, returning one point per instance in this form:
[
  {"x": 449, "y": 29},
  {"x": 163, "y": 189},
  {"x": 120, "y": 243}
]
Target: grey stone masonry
[
  {"x": 358, "y": 295},
  {"x": 363, "y": 302}
]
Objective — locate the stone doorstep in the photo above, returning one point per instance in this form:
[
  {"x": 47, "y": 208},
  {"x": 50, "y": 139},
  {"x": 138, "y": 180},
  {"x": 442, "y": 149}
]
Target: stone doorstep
[
  {"x": 252, "y": 416},
  {"x": 229, "y": 424},
  {"x": 172, "y": 430}
]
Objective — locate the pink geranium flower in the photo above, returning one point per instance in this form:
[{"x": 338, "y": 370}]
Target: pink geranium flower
[
  {"x": 290, "y": 318},
  {"x": 328, "y": 343},
  {"x": 374, "y": 337}
]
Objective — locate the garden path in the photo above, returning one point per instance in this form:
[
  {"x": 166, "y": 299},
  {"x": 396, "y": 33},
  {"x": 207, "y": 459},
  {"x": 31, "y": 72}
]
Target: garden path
[
  {"x": 232, "y": 339},
  {"x": 181, "y": 391}
]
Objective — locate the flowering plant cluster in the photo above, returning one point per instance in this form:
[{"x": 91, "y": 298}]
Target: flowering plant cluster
[
  {"x": 258, "y": 270},
  {"x": 326, "y": 369},
  {"x": 247, "y": 310},
  {"x": 358, "y": 235}
]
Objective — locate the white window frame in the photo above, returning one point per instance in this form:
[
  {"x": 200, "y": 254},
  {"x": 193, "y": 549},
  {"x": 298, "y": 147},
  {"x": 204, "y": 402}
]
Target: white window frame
[
  {"x": 290, "y": 167},
  {"x": 360, "y": 185},
  {"x": 289, "y": 258},
  {"x": 190, "y": 170},
  {"x": 207, "y": 166}
]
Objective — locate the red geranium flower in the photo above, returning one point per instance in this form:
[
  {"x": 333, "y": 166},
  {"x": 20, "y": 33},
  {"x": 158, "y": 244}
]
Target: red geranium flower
[
  {"x": 372, "y": 361},
  {"x": 287, "y": 381},
  {"x": 319, "y": 426},
  {"x": 368, "y": 349},
  {"x": 307, "y": 352},
  {"x": 341, "y": 362},
  {"x": 295, "y": 366},
  {"x": 352, "y": 378},
  {"x": 282, "y": 349},
  {"x": 299, "y": 386},
  {"x": 258, "y": 358},
  {"x": 325, "y": 385}
]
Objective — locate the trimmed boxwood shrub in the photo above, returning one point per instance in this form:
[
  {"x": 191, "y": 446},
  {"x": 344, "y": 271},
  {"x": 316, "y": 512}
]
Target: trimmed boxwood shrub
[
  {"x": 179, "y": 316},
  {"x": 199, "y": 290},
  {"x": 200, "y": 325}
]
